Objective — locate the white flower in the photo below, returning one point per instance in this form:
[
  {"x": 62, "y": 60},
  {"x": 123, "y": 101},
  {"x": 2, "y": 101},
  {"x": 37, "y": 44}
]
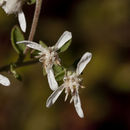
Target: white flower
[
  {"x": 15, "y": 7},
  {"x": 49, "y": 56},
  {"x": 4, "y": 80},
  {"x": 71, "y": 85}
]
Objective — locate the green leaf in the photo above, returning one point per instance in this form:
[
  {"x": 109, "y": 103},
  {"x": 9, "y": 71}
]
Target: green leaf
[
  {"x": 43, "y": 44},
  {"x": 60, "y": 76},
  {"x": 13, "y": 71},
  {"x": 65, "y": 47},
  {"x": 59, "y": 72},
  {"x": 17, "y": 35},
  {"x": 30, "y": 2}
]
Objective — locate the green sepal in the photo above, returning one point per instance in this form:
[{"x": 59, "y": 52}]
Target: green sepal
[
  {"x": 43, "y": 44},
  {"x": 30, "y": 2},
  {"x": 59, "y": 72},
  {"x": 17, "y": 35},
  {"x": 15, "y": 74},
  {"x": 65, "y": 46}
]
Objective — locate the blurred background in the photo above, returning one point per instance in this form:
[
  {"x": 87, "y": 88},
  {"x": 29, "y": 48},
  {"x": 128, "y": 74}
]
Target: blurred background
[{"x": 98, "y": 26}]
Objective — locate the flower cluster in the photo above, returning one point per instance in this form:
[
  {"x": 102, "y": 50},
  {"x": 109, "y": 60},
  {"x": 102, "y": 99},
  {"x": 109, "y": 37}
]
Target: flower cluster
[
  {"x": 48, "y": 56},
  {"x": 71, "y": 81},
  {"x": 15, "y": 7}
]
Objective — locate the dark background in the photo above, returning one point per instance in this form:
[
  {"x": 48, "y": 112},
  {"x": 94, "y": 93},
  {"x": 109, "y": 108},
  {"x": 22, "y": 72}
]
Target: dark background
[{"x": 98, "y": 26}]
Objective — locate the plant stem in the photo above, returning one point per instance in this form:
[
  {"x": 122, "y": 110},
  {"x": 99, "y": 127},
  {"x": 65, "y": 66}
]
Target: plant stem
[
  {"x": 18, "y": 65},
  {"x": 35, "y": 22}
]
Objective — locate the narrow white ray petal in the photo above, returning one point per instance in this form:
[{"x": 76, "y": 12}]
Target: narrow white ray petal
[
  {"x": 51, "y": 79},
  {"x": 72, "y": 98},
  {"x": 53, "y": 97},
  {"x": 4, "y": 80},
  {"x": 32, "y": 45},
  {"x": 66, "y": 36},
  {"x": 22, "y": 21},
  {"x": 66, "y": 96},
  {"x": 83, "y": 62},
  {"x": 77, "y": 105}
]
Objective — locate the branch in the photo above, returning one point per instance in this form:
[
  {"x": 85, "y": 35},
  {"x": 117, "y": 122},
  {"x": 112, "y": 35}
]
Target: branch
[
  {"x": 18, "y": 65},
  {"x": 35, "y": 22}
]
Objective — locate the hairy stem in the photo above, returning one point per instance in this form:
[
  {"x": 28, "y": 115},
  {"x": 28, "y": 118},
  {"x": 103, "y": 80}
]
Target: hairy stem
[
  {"x": 18, "y": 65},
  {"x": 35, "y": 22}
]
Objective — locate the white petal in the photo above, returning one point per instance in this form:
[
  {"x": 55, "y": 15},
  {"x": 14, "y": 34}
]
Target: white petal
[
  {"x": 4, "y": 80},
  {"x": 77, "y": 105},
  {"x": 2, "y": 2},
  {"x": 32, "y": 45},
  {"x": 83, "y": 62},
  {"x": 53, "y": 97},
  {"x": 66, "y": 96},
  {"x": 66, "y": 36},
  {"x": 22, "y": 21},
  {"x": 51, "y": 79},
  {"x": 71, "y": 100}
]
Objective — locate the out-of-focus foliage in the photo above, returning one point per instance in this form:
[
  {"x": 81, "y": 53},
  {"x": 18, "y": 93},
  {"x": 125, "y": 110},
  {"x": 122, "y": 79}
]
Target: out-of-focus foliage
[{"x": 98, "y": 26}]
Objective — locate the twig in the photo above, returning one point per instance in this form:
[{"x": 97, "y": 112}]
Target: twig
[
  {"x": 35, "y": 22},
  {"x": 18, "y": 65}
]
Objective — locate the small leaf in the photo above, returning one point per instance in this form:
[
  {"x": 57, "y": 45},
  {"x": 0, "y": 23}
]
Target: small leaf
[
  {"x": 43, "y": 44},
  {"x": 17, "y": 35},
  {"x": 65, "y": 47},
  {"x": 59, "y": 72},
  {"x": 60, "y": 76},
  {"x": 30, "y": 2},
  {"x": 13, "y": 71}
]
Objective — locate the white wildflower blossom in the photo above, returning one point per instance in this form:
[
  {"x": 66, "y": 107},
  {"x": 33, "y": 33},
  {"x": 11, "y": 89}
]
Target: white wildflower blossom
[
  {"x": 4, "y": 80},
  {"x": 15, "y": 7},
  {"x": 49, "y": 56},
  {"x": 71, "y": 85}
]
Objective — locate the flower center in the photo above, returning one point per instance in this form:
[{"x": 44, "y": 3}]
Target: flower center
[
  {"x": 49, "y": 57},
  {"x": 72, "y": 83}
]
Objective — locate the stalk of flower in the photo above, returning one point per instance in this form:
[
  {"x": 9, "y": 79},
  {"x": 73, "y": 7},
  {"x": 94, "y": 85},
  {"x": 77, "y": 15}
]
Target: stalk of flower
[
  {"x": 15, "y": 7},
  {"x": 4, "y": 80},
  {"x": 71, "y": 84},
  {"x": 49, "y": 56}
]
